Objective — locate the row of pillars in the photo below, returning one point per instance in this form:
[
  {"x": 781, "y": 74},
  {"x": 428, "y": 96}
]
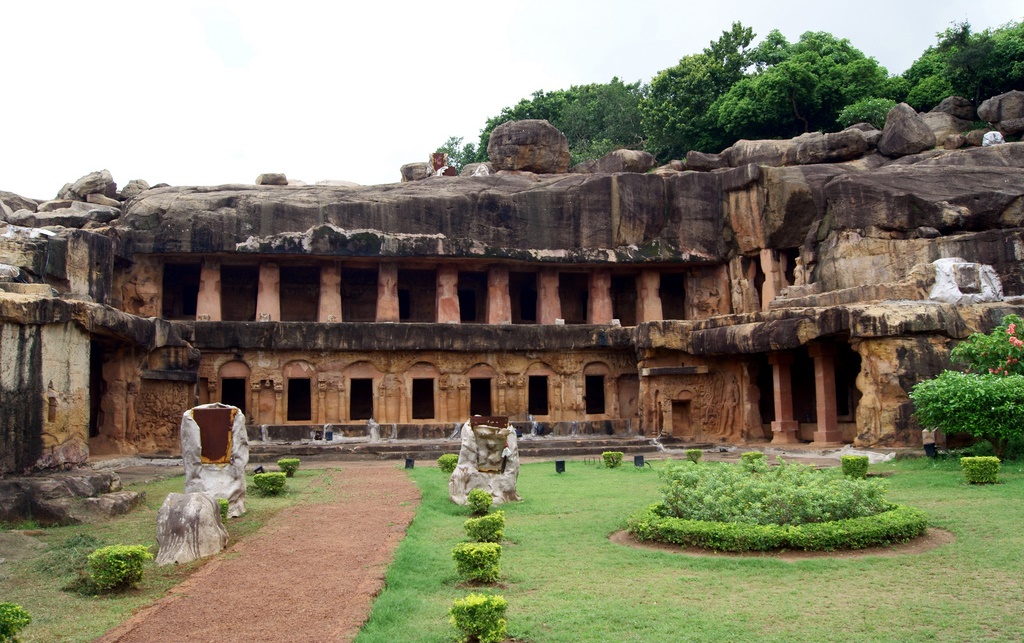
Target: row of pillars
[
  {"x": 499, "y": 304},
  {"x": 785, "y": 428}
]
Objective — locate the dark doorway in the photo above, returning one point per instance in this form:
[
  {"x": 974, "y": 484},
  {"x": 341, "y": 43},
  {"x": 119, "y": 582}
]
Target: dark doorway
[
  {"x": 624, "y": 299},
  {"x": 417, "y": 296},
  {"x": 232, "y": 391},
  {"x": 537, "y": 395},
  {"x": 358, "y": 295},
  {"x": 180, "y": 290},
  {"x": 522, "y": 290},
  {"x": 423, "y": 398},
  {"x": 360, "y": 403},
  {"x": 673, "y": 295},
  {"x": 573, "y": 294},
  {"x": 238, "y": 288},
  {"x": 847, "y": 363},
  {"x": 300, "y": 293},
  {"x": 766, "y": 387},
  {"x": 96, "y": 387},
  {"x": 480, "y": 396},
  {"x": 805, "y": 402},
  {"x": 299, "y": 402},
  {"x": 594, "y": 394},
  {"x": 472, "y": 297}
]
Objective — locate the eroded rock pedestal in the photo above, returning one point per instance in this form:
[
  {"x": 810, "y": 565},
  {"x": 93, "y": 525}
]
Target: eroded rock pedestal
[
  {"x": 215, "y": 450},
  {"x": 188, "y": 527},
  {"x": 488, "y": 460}
]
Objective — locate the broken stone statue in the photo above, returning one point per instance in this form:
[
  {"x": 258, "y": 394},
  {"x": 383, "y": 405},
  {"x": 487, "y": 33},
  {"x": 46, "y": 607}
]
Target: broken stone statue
[
  {"x": 188, "y": 527},
  {"x": 215, "y": 450},
  {"x": 488, "y": 460}
]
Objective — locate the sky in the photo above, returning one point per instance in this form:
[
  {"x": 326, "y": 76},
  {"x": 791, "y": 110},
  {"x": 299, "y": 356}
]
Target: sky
[{"x": 207, "y": 93}]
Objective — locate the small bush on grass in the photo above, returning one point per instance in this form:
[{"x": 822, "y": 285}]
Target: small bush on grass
[
  {"x": 981, "y": 469},
  {"x": 694, "y": 455},
  {"x": 855, "y": 466},
  {"x": 480, "y": 618},
  {"x": 479, "y": 501},
  {"x": 478, "y": 561},
  {"x": 612, "y": 459},
  {"x": 448, "y": 462},
  {"x": 289, "y": 466},
  {"x": 753, "y": 461},
  {"x": 269, "y": 484},
  {"x": 118, "y": 566},
  {"x": 223, "y": 504},
  {"x": 486, "y": 529},
  {"x": 14, "y": 618}
]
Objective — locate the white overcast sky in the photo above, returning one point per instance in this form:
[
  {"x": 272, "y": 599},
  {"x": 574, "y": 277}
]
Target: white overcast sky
[{"x": 204, "y": 93}]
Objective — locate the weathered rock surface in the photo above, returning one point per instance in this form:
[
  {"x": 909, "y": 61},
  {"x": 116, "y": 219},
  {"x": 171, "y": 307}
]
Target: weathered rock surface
[
  {"x": 958, "y": 107},
  {"x": 215, "y": 450},
  {"x": 905, "y": 133},
  {"x": 415, "y": 171},
  {"x": 841, "y": 146},
  {"x": 477, "y": 169},
  {"x": 703, "y": 162},
  {"x": 17, "y": 202},
  {"x": 272, "y": 178},
  {"x": 134, "y": 188},
  {"x": 624, "y": 161},
  {"x": 75, "y": 215},
  {"x": 768, "y": 152},
  {"x": 66, "y": 499},
  {"x": 488, "y": 460},
  {"x": 944, "y": 125},
  {"x": 1003, "y": 107},
  {"x": 100, "y": 182},
  {"x": 529, "y": 146},
  {"x": 189, "y": 527}
]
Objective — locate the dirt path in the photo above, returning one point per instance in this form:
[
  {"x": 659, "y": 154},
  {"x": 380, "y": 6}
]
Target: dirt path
[{"x": 309, "y": 575}]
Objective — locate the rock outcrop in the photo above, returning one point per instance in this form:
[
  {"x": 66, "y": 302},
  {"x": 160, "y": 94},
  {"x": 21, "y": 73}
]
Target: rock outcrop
[
  {"x": 905, "y": 133},
  {"x": 529, "y": 146}
]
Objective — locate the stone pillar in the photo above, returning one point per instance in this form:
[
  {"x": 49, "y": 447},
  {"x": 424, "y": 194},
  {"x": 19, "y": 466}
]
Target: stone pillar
[
  {"x": 268, "y": 297},
  {"x": 550, "y": 306},
  {"x": 208, "y": 301},
  {"x": 648, "y": 301},
  {"x": 448, "y": 311},
  {"x": 499, "y": 303},
  {"x": 330, "y": 294},
  {"x": 825, "y": 394},
  {"x": 599, "y": 303},
  {"x": 784, "y": 428},
  {"x": 774, "y": 276},
  {"x": 387, "y": 292},
  {"x": 254, "y": 407},
  {"x": 321, "y": 409},
  {"x": 278, "y": 403}
]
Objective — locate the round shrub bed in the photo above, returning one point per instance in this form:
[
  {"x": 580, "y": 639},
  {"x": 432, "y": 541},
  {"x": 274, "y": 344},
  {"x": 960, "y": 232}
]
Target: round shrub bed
[
  {"x": 899, "y": 524},
  {"x": 754, "y": 507}
]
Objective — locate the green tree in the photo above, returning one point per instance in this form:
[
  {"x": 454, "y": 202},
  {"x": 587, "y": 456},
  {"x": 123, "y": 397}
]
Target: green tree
[
  {"x": 868, "y": 110},
  {"x": 675, "y": 111},
  {"x": 459, "y": 155}
]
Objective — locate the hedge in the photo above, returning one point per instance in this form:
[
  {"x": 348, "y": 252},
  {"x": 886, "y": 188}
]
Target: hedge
[
  {"x": 980, "y": 469},
  {"x": 899, "y": 524}
]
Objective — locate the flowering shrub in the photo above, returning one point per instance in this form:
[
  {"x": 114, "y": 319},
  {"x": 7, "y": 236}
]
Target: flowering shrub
[
  {"x": 1001, "y": 352},
  {"x": 789, "y": 494}
]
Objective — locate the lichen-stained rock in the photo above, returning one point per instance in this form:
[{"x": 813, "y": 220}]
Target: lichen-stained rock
[
  {"x": 846, "y": 145},
  {"x": 905, "y": 133},
  {"x": 189, "y": 527},
  {"x": 765, "y": 152},
  {"x": 1002, "y": 107},
  {"x": 529, "y": 146},
  {"x": 624, "y": 161},
  {"x": 694, "y": 218},
  {"x": 906, "y": 197},
  {"x": 957, "y": 106}
]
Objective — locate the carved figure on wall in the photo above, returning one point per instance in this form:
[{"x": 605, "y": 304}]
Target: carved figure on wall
[{"x": 488, "y": 460}]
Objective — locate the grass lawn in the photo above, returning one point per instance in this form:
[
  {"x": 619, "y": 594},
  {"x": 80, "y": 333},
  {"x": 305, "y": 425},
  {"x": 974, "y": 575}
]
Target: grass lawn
[
  {"x": 36, "y": 583},
  {"x": 564, "y": 580}
]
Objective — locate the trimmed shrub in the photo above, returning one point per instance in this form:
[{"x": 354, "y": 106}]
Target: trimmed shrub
[
  {"x": 486, "y": 529},
  {"x": 694, "y": 455},
  {"x": 480, "y": 618},
  {"x": 479, "y": 501},
  {"x": 753, "y": 462},
  {"x": 14, "y": 618},
  {"x": 855, "y": 466},
  {"x": 269, "y": 484},
  {"x": 981, "y": 469},
  {"x": 289, "y": 466},
  {"x": 448, "y": 462},
  {"x": 223, "y": 504},
  {"x": 899, "y": 524},
  {"x": 790, "y": 494},
  {"x": 612, "y": 459},
  {"x": 478, "y": 561},
  {"x": 117, "y": 566}
]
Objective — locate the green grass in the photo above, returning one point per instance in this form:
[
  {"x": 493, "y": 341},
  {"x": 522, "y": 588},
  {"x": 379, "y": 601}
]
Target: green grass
[
  {"x": 565, "y": 581},
  {"x": 64, "y": 616}
]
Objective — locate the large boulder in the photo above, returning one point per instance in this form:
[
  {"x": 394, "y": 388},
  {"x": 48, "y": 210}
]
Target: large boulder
[
  {"x": 215, "y": 450},
  {"x": 905, "y": 133},
  {"x": 69, "y": 214},
  {"x": 134, "y": 188},
  {"x": 1003, "y": 107},
  {"x": 529, "y": 146},
  {"x": 944, "y": 125},
  {"x": 624, "y": 161},
  {"x": 272, "y": 178},
  {"x": 958, "y": 107},
  {"x": 189, "y": 527},
  {"x": 764, "y": 152},
  {"x": 17, "y": 202},
  {"x": 836, "y": 147},
  {"x": 704, "y": 162},
  {"x": 415, "y": 171},
  {"x": 100, "y": 182}
]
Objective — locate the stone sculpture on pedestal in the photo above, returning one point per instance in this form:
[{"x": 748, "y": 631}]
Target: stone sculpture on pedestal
[
  {"x": 488, "y": 460},
  {"x": 215, "y": 450}
]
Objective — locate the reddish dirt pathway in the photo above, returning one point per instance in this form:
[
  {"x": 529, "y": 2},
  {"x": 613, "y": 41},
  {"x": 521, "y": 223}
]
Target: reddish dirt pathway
[{"x": 309, "y": 575}]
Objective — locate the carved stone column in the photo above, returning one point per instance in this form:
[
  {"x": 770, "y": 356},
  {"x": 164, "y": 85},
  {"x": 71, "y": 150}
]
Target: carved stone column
[
  {"x": 330, "y": 294},
  {"x": 387, "y": 292},
  {"x": 254, "y": 408},
  {"x": 321, "y": 392},
  {"x": 278, "y": 403},
  {"x": 825, "y": 394},
  {"x": 268, "y": 297},
  {"x": 648, "y": 301},
  {"x": 448, "y": 311},
  {"x": 599, "y": 304},
  {"x": 547, "y": 298},
  {"x": 499, "y": 303},
  {"x": 208, "y": 306},
  {"x": 784, "y": 427}
]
